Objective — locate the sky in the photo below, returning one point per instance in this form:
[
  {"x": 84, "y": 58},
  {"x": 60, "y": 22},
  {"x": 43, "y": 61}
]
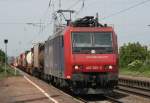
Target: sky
[{"x": 129, "y": 19}]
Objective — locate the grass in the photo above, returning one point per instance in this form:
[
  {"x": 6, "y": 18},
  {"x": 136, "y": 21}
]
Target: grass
[
  {"x": 143, "y": 71},
  {"x": 9, "y": 71}
]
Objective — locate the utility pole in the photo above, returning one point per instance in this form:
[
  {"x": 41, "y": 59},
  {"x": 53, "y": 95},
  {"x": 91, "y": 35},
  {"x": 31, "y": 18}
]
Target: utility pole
[
  {"x": 60, "y": 9},
  {"x": 59, "y": 4},
  {"x": 5, "y": 41}
]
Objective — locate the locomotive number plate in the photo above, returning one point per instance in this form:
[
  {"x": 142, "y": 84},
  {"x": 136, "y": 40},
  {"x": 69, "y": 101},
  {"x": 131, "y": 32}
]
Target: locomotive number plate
[{"x": 92, "y": 67}]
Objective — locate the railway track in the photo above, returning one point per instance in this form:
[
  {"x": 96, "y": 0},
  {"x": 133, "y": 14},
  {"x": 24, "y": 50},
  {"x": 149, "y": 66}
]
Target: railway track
[
  {"x": 113, "y": 100},
  {"x": 92, "y": 98},
  {"x": 102, "y": 99},
  {"x": 130, "y": 86},
  {"x": 138, "y": 87}
]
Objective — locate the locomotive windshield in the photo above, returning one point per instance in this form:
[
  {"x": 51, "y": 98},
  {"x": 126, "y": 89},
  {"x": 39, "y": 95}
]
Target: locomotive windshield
[
  {"x": 84, "y": 42},
  {"x": 102, "y": 40},
  {"x": 82, "y": 39}
]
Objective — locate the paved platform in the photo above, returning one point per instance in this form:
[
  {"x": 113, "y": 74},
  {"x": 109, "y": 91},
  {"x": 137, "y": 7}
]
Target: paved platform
[
  {"x": 28, "y": 89},
  {"x": 19, "y": 90}
]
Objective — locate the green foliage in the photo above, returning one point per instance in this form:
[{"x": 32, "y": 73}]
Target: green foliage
[
  {"x": 147, "y": 61},
  {"x": 133, "y": 52},
  {"x": 135, "y": 64},
  {"x": 9, "y": 72},
  {"x": 2, "y": 56},
  {"x": 143, "y": 71},
  {"x": 134, "y": 60}
]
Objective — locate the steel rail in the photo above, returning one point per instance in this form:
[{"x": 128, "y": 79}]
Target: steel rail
[
  {"x": 139, "y": 84},
  {"x": 113, "y": 100},
  {"x": 138, "y": 87},
  {"x": 134, "y": 90}
]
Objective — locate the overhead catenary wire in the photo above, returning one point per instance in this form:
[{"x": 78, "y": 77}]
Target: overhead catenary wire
[
  {"x": 47, "y": 11},
  {"x": 42, "y": 26},
  {"x": 119, "y": 12},
  {"x": 40, "y": 31},
  {"x": 83, "y": 3},
  {"x": 126, "y": 9},
  {"x": 111, "y": 15},
  {"x": 80, "y": 9},
  {"x": 74, "y": 4},
  {"x": 24, "y": 23},
  {"x": 31, "y": 23}
]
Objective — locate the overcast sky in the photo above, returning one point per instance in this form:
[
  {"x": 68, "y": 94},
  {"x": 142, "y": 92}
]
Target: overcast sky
[{"x": 130, "y": 25}]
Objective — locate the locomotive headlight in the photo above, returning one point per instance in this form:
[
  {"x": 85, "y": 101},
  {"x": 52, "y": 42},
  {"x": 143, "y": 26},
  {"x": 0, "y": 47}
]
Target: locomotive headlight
[
  {"x": 110, "y": 67},
  {"x": 76, "y": 67}
]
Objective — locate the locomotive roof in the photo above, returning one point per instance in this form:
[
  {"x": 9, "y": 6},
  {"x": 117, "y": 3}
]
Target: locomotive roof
[{"x": 87, "y": 21}]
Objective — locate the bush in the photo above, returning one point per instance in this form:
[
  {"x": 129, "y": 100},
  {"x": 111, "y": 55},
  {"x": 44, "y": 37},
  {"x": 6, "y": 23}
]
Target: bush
[
  {"x": 131, "y": 52},
  {"x": 1, "y": 68},
  {"x": 9, "y": 72},
  {"x": 2, "y": 57},
  {"x": 135, "y": 64}
]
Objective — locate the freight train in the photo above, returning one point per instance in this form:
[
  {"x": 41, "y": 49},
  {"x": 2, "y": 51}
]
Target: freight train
[{"x": 81, "y": 56}]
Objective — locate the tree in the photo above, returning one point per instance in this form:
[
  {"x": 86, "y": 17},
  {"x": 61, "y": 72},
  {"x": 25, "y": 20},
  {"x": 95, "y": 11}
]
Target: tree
[
  {"x": 131, "y": 52},
  {"x": 2, "y": 56},
  {"x": 147, "y": 62}
]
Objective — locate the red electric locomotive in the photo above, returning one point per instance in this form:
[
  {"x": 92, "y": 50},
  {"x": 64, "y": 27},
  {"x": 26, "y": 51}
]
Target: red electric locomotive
[{"x": 83, "y": 56}]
